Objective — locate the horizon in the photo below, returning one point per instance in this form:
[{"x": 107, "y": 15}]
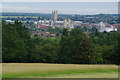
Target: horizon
[{"x": 60, "y": 13}]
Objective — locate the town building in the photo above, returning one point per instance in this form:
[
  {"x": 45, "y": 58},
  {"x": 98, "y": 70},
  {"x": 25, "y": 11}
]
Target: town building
[
  {"x": 101, "y": 27},
  {"x": 54, "y": 18}
]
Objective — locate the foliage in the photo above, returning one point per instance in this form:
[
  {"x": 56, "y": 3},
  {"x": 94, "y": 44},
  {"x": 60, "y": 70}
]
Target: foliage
[
  {"x": 107, "y": 46},
  {"x": 76, "y": 48},
  {"x": 16, "y": 43},
  {"x": 73, "y": 47}
]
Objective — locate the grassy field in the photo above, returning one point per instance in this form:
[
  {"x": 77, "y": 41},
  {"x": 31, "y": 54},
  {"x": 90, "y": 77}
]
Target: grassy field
[{"x": 39, "y": 70}]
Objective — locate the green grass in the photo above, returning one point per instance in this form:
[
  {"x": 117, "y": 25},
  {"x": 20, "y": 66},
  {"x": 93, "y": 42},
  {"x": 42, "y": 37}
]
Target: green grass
[{"x": 28, "y": 70}]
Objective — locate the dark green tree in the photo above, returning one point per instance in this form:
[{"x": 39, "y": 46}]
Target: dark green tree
[
  {"x": 81, "y": 47},
  {"x": 64, "y": 48},
  {"x": 75, "y": 47},
  {"x": 17, "y": 44}
]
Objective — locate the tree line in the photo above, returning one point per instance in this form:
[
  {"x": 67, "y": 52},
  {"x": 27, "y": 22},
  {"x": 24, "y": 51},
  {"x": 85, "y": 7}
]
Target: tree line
[{"x": 73, "y": 47}]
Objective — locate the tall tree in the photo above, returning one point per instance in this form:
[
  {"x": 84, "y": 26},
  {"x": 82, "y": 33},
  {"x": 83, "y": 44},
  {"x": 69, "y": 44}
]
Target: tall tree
[
  {"x": 75, "y": 47},
  {"x": 64, "y": 52},
  {"x": 81, "y": 47},
  {"x": 17, "y": 43}
]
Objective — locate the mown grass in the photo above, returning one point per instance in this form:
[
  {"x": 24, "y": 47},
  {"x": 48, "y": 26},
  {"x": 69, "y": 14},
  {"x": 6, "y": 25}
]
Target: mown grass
[
  {"x": 0, "y": 70},
  {"x": 39, "y": 70}
]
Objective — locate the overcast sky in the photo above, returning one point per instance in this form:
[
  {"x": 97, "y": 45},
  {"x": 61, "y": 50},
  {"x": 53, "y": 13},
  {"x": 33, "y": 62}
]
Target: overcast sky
[
  {"x": 60, "y": 0},
  {"x": 62, "y": 7}
]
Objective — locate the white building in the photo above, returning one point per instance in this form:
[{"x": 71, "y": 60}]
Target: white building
[
  {"x": 105, "y": 27},
  {"x": 54, "y": 18},
  {"x": 101, "y": 27},
  {"x": 67, "y": 23}
]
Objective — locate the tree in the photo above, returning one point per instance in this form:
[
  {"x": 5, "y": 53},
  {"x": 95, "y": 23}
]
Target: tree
[
  {"x": 81, "y": 47},
  {"x": 64, "y": 46},
  {"x": 46, "y": 50},
  {"x": 116, "y": 54},
  {"x": 75, "y": 47},
  {"x": 17, "y": 44},
  {"x": 106, "y": 46}
]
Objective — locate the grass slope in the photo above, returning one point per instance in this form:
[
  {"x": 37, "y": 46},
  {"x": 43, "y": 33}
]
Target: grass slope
[{"x": 39, "y": 70}]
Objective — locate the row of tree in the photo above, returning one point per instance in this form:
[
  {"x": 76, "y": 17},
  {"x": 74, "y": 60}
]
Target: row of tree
[
  {"x": 73, "y": 47},
  {"x": 106, "y": 47}
]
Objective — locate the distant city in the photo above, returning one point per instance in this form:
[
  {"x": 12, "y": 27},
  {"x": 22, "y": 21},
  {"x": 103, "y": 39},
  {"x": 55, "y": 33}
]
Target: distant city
[{"x": 40, "y": 23}]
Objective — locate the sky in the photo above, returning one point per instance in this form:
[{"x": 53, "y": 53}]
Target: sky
[
  {"x": 60, "y": 0},
  {"x": 62, "y": 7}
]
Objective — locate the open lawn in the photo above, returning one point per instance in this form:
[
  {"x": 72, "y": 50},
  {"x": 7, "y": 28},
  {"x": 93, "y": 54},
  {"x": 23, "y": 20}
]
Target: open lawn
[{"x": 40, "y": 70}]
